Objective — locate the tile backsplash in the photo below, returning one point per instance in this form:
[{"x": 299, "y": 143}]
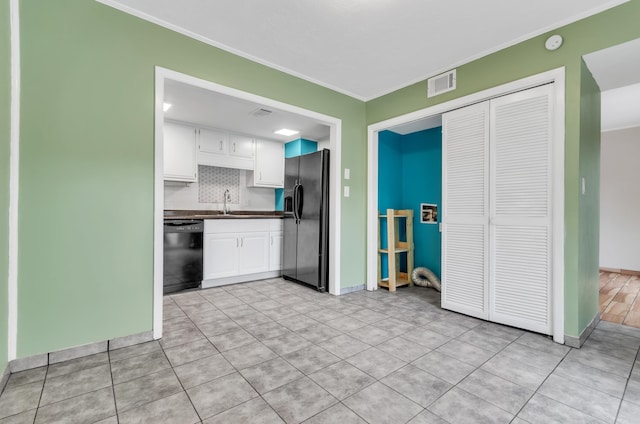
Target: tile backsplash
[
  {"x": 213, "y": 181},
  {"x": 207, "y": 193}
]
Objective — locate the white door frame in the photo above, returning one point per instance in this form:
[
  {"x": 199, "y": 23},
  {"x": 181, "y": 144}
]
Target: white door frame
[
  {"x": 335, "y": 143},
  {"x": 556, "y": 76}
]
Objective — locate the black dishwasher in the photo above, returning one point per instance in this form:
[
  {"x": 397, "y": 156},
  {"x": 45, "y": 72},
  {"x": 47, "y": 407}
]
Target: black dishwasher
[{"x": 182, "y": 254}]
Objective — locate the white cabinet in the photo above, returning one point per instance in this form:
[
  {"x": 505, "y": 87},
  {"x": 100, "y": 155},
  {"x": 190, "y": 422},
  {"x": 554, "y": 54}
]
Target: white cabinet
[
  {"x": 269, "y": 165},
  {"x": 253, "y": 253},
  {"x": 180, "y": 153},
  {"x": 237, "y": 250},
  {"x": 275, "y": 244},
  {"x": 241, "y": 146},
  {"x": 275, "y": 251},
  {"x": 219, "y": 148},
  {"x": 221, "y": 255},
  {"x": 213, "y": 142}
]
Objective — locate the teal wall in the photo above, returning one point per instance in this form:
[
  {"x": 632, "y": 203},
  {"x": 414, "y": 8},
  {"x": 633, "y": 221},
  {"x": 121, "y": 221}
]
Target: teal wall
[
  {"x": 527, "y": 58},
  {"x": 299, "y": 147},
  {"x": 589, "y": 219},
  {"x": 389, "y": 184},
  {"x": 86, "y": 165},
  {"x": 292, "y": 149},
  {"x": 5, "y": 118},
  {"x": 422, "y": 183},
  {"x": 410, "y": 173}
]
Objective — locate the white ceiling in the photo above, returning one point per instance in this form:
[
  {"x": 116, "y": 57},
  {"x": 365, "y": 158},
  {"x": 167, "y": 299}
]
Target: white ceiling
[
  {"x": 621, "y": 108},
  {"x": 363, "y": 48},
  {"x": 207, "y": 108},
  {"x": 617, "y": 72}
]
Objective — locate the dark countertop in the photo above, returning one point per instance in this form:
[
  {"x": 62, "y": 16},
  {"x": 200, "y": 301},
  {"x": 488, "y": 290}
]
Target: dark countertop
[{"x": 177, "y": 214}]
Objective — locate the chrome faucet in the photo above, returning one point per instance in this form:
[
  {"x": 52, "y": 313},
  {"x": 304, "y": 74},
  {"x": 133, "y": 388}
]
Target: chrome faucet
[{"x": 227, "y": 198}]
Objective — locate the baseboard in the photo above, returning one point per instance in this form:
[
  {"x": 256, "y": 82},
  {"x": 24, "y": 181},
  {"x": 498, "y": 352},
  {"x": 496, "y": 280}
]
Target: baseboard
[
  {"x": 345, "y": 290},
  {"x": 75, "y": 352},
  {"x": 620, "y": 271},
  {"x": 577, "y": 342},
  {"x": 5, "y": 378},
  {"x": 217, "y": 282}
]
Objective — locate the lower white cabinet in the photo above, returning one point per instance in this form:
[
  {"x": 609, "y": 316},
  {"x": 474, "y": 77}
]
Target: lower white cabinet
[
  {"x": 221, "y": 256},
  {"x": 237, "y": 250},
  {"x": 275, "y": 251}
]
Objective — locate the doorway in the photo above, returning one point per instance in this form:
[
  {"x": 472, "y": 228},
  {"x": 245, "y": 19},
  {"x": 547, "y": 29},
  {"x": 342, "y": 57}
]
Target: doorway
[
  {"x": 616, "y": 70},
  {"x": 557, "y": 273},
  {"x": 334, "y": 144}
]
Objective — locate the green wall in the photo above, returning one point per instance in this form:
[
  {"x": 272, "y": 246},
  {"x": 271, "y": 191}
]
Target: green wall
[
  {"x": 589, "y": 218},
  {"x": 606, "y": 29},
  {"x": 5, "y": 99},
  {"x": 86, "y": 165}
]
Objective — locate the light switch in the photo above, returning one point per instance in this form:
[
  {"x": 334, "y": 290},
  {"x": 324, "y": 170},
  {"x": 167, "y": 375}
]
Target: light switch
[
  {"x": 347, "y": 173},
  {"x": 346, "y": 191}
]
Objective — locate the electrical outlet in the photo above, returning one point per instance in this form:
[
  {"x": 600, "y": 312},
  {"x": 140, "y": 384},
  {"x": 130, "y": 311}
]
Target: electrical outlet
[{"x": 346, "y": 191}]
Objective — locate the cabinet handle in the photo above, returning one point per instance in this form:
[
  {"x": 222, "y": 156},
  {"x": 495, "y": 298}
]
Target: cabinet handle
[
  {"x": 220, "y": 145},
  {"x": 234, "y": 147},
  {"x": 241, "y": 242},
  {"x": 237, "y": 243}
]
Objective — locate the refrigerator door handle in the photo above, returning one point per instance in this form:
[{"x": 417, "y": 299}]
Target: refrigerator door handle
[
  {"x": 295, "y": 202},
  {"x": 300, "y": 198}
]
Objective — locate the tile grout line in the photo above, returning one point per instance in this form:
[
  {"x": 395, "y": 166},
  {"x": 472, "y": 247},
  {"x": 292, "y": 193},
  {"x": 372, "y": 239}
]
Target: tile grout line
[
  {"x": 113, "y": 386},
  {"x": 627, "y": 384},
  {"x": 46, "y": 373}
]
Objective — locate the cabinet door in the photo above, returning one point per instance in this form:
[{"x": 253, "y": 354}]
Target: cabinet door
[
  {"x": 465, "y": 218},
  {"x": 275, "y": 251},
  {"x": 254, "y": 253},
  {"x": 220, "y": 255},
  {"x": 269, "y": 170},
  {"x": 240, "y": 146},
  {"x": 215, "y": 142},
  {"x": 180, "y": 153}
]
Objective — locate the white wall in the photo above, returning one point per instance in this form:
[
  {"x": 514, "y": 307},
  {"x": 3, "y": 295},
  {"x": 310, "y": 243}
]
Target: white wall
[{"x": 620, "y": 199}]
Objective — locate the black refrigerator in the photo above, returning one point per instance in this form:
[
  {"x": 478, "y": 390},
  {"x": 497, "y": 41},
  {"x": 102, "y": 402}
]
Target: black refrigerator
[{"x": 306, "y": 219}]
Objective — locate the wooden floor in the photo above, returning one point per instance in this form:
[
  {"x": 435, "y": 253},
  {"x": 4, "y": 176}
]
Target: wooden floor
[{"x": 619, "y": 300}]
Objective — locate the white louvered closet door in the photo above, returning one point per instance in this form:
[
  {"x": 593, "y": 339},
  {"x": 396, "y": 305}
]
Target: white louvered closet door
[
  {"x": 465, "y": 181},
  {"x": 520, "y": 209}
]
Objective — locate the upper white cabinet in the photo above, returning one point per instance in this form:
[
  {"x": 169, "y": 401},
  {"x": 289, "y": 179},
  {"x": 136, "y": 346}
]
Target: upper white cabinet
[
  {"x": 240, "y": 145},
  {"x": 214, "y": 142},
  {"x": 180, "y": 163},
  {"x": 186, "y": 147},
  {"x": 218, "y": 148},
  {"x": 269, "y": 165}
]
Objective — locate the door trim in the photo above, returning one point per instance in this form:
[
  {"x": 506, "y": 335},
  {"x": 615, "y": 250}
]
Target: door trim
[
  {"x": 335, "y": 144},
  {"x": 556, "y": 76}
]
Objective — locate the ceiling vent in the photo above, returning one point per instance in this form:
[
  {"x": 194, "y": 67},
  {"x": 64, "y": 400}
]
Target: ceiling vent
[
  {"x": 441, "y": 83},
  {"x": 261, "y": 112}
]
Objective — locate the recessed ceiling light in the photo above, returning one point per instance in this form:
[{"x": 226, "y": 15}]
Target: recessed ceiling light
[
  {"x": 286, "y": 132},
  {"x": 166, "y": 106}
]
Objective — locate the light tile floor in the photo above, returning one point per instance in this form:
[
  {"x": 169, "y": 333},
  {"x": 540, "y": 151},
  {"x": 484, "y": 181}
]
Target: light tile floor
[
  {"x": 619, "y": 300},
  {"x": 272, "y": 352}
]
